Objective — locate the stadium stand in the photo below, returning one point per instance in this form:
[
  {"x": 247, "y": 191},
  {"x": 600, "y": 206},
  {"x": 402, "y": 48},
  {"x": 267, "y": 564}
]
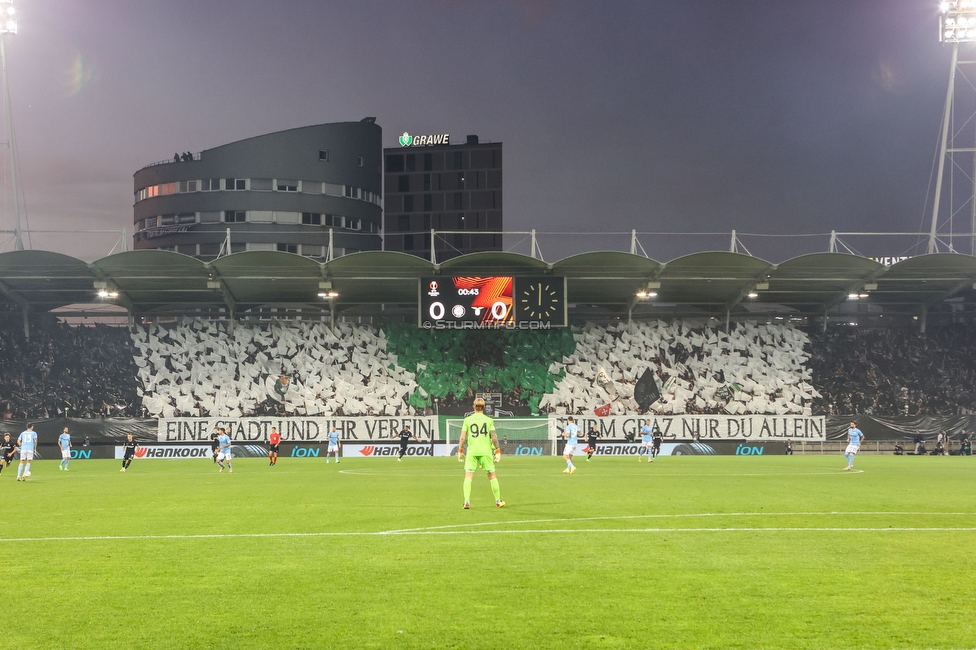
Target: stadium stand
[
  {"x": 701, "y": 368},
  {"x": 65, "y": 371},
  {"x": 895, "y": 371},
  {"x": 196, "y": 367}
]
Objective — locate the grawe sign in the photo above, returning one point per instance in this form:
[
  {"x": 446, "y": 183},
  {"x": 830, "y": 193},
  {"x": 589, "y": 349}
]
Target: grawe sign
[{"x": 407, "y": 140}]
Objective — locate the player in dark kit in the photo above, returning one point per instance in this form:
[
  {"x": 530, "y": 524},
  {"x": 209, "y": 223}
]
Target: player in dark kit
[
  {"x": 130, "y": 447},
  {"x": 591, "y": 437},
  {"x": 7, "y": 450},
  {"x": 656, "y": 439},
  {"x": 405, "y": 437},
  {"x": 214, "y": 444}
]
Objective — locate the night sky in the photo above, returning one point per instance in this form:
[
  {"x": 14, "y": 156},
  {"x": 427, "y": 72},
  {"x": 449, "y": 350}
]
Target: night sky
[{"x": 773, "y": 117}]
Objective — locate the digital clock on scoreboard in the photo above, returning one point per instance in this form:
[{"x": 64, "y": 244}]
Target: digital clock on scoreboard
[{"x": 497, "y": 302}]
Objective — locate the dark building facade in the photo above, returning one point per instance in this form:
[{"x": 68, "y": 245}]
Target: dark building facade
[
  {"x": 282, "y": 191},
  {"x": 452, "y": 189}
]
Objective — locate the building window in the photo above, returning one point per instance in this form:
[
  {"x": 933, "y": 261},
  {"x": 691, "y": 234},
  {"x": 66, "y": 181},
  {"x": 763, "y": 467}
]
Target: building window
[
  {"x": 287, "y": 248},
  {"x": 324, "y": 155},
  {"x": 460, "y": 221},
  {"x": 426, "y": 182},
  {"x": 286, "y": 186},
  {"x": 426, "y": 222},
  {"x": 403, "y": 183},
  {"x": 394, "y": 164},
  {"x": 261, "y": 184},
  {"x": 408, "y": 242},
  {"x": 458, "y": 159},
  {"x": 428, "y": 202},
  {"x": 235, "y": 183},
  {"x": 234, "y": 216},
  {"x": 403, "y": 223},
  {"x": 210, "y": 184},
  {"x": 408, "y": 203},
  {"x": 428, "y": 162},
  {"x": 311, "y": 219},
  {"x": 458, "y": 200},
  {"x": 188, "y": 186},
  {"x": 460, "y": 180},
  {"x": 411, "y": 162}
]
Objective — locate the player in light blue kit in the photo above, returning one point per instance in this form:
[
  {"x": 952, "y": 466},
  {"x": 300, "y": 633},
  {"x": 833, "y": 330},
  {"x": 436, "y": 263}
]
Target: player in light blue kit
[
  {"x": 333, "y": 445},
  {"x": 647, "y": 440},
  {"x": 223, "y": 451},
  {"x": 854, "y": 438},
  {"x": 27, "y": 441},
  {"x": 571, "y": 432},
  {"x": 64, "y": 442}
]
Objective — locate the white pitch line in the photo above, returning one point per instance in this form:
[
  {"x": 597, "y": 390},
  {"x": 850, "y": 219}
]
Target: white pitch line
[
  {"x": 683, "y": 515},
  {"x": 539, "y": 531}
]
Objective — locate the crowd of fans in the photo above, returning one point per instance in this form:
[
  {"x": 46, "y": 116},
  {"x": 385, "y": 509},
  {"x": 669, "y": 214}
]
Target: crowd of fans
[
  {"x": 894, "y": 371},
  {"x": 65, "y": 371},
  {"x": 105, "y": 371}
]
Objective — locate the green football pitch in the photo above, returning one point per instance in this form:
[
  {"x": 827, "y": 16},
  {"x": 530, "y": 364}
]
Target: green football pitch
[{"x": 687, "y": 552}]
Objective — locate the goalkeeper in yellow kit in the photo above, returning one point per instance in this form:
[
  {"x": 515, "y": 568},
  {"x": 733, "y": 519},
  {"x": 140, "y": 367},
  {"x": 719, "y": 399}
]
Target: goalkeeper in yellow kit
[{"x": 483, "y": 451}]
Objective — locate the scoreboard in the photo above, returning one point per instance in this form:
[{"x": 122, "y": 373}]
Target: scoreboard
[{"x": 497, "y": 302}]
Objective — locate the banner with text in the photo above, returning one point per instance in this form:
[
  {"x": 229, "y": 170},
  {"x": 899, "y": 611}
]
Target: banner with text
[
  {"x": 707, "y": 427},
  {"x": 295, "y": 429}
]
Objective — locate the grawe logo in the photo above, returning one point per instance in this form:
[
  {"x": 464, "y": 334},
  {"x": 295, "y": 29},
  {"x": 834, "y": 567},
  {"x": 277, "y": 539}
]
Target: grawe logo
[
  {"x": 405, "y": 141},
  {"x": 369, "y": 449}
]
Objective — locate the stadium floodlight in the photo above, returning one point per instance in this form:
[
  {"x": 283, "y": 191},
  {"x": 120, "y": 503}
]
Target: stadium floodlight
[
  {"x": 853, "y": 296},
  {"x": 8, "y": 17},
  {"x": 106, "y": 289},
  {"x": 649, "y": 290},
  {"x": 326, "y": 290},
  {"x": 753, "y": 295},
  {"x": 8, "y": 27},
  {"x": 957, "y": 24}
]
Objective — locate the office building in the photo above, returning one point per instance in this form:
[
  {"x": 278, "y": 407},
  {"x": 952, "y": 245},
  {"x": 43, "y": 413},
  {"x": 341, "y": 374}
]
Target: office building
[
  {"x": 299, "y": 191},
  {"x": 454, "y": 190}
]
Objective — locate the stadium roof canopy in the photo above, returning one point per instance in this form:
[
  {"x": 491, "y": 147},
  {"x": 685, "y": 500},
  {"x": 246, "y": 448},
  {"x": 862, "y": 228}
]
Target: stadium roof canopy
[{"x": 161, "y": 283}]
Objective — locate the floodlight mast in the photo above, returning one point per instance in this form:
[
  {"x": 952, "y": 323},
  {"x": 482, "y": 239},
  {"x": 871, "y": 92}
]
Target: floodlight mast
[
  {"x": 8, "y": 27},
  {"x": 957, "y": 24}
]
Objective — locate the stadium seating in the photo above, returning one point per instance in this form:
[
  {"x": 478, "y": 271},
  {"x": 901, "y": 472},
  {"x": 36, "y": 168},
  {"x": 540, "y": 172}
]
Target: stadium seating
[
  {"x": 198, "y": 368},
  {"x": 752, "y": 369},
  {"x": 65, "y": 371}
]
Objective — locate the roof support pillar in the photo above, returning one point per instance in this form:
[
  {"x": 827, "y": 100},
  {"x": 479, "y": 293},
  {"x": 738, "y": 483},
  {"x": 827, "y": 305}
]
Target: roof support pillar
[
  {"x": 26, "y": 311},
  {"x": 728, "y": 315},
  {"x": 923, "y": 320}
]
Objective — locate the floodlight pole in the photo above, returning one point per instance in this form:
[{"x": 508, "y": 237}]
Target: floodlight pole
[
  {"x": 942, "y": 147},
  {"x": 18, "y": 233}
]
